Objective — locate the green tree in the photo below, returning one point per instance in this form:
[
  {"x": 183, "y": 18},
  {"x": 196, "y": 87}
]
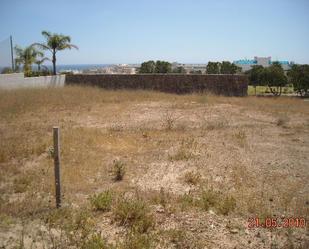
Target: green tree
[
  {"x": 26, "y": 57},
  {"x": 196, "y": 72},
  {"x": 236, "y": 69},
  {"x": 229, "y": 68},
  {"x": 40, "y": 61},
  {"x": 147, "y": 67},
  {"x": 54, "y": 43},
  {"x": 275, "y": 78},
  {"x": 163, "y": 67},
  {"x": 213, "y": 68},
  {"x": 255, "y": 76},
  {"x": 299, "y": 77},
  {"x": 180, "y": 70}
]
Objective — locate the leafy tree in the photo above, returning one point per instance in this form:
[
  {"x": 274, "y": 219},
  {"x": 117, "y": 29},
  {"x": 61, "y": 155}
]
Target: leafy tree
[
  {"x": 213, "y": 68},
  {"x": 26, "y": 57},
  {"x": 274, "y": 78},
  {"x": 229, "y": 68},
  {"x": 155, "y": 67},
  {"x": 196, "y": 72},
  {"x": 299, "y": 77},
  {"x": 180, "y": 70},
  {"x": 54, "y": 43},
  {"x": 163, "y": 67},
  {"x": 255, "y": 76},
  {"x": 40, "y": 61},
  {"x": 236, "y": 69},
  {"x": 147, "y": 67}
]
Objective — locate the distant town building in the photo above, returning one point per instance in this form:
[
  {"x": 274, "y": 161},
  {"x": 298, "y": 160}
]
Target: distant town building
[
  {"x": 262, "y": 61},
  {"x": 190, "y": 68},
  {"x": 113, "y": 69}
]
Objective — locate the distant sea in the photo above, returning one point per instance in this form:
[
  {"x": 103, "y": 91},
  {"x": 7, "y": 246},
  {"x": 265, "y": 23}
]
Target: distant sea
[{"x": 79, "y": 66}]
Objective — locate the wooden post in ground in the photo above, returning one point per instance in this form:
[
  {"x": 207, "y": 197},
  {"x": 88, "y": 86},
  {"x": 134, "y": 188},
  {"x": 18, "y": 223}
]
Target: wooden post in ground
[{"x": 56, "y": 135}]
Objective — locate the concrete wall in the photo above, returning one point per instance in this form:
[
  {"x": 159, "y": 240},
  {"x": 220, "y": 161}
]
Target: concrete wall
[
  {"x": 229, "y": 85},
  {"x": 17, "y": 80}
]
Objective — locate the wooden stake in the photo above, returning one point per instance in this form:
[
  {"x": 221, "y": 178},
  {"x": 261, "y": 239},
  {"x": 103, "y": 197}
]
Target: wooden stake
[{"x": 56, "y": 134}]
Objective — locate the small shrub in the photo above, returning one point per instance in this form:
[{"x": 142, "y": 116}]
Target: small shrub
[
  {"x": 118, "y": 170},
  {"x": 78, "y": 225},
  {"x": 57, "y": 216},
  {"x": 169, "y": 121},
  {"x": 82, "y": 223},
  {"x": 212, "y": 199},
  {"x": 192, "y": 178},
  {"x": 161, "y": 198},
  {"x": 184, "y": 152},
  {"x": 208, "y": 199},
  {"x": 181, "y": 155},
  {"x": 186, "y": 201},
  {"x": 5, "y": 220},
  {"x": 241, "y": 137},
  {"x": 37, "y": 74},
  {"x": 137, "y": 241},
  {"x": 102, "y": 201},
  {"x": 22, "y": 183},
  {"x": 134, "y": 213},
  {"x": 227, "y": 205},
  {"x": 51, "y": 152},
  {"x": 96, "y": 242},
  {"x": 182, "y": 239}
]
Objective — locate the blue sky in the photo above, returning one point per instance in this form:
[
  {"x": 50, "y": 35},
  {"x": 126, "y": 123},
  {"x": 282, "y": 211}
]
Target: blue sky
[{"x": 193, "y": 31}]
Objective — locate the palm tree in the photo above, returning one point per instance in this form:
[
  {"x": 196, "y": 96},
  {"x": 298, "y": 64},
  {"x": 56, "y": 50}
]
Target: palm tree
[
  {"x": 40, "y": 61},
  {"x": 26, "y": 56},
  {"x": 54, "y": 43}
]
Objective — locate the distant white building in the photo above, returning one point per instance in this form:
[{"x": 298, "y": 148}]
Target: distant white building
[
  {"x": 113, "y": 69},
  {"x": 262, "y": 61},
  {"x": 190, "y": 67}
]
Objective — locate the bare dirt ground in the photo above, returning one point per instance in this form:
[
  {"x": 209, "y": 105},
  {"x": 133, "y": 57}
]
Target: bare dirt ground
[{"x": 196, "y": 168}]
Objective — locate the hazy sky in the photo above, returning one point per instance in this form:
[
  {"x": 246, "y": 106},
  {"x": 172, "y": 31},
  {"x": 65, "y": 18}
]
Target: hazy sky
[{"x": 193, "y": 31}]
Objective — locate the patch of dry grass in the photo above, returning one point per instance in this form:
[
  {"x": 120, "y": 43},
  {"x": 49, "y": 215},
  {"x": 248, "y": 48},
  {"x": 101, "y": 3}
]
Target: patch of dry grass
[
  {"x": 185, "y": 151},
  {"x": 251, "y": 164},
  {"x": 168, "y": 121},
  {"x": 240, "y": 136},
  {"x": 192, "y": 177}
]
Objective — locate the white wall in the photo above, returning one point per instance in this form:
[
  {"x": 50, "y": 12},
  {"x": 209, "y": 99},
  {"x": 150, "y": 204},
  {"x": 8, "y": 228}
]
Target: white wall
[{"x": 17, "y": 80}]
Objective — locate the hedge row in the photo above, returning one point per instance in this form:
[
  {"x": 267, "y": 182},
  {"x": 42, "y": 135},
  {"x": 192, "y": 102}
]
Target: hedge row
[{"x": 228, "y": 85}]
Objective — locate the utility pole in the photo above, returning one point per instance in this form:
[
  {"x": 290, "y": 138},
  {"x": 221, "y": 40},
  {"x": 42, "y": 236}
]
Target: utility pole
[{"x": 11, "y": 40}]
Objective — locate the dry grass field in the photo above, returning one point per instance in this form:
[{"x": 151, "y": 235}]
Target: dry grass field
[{"x": 152, "y": 170}]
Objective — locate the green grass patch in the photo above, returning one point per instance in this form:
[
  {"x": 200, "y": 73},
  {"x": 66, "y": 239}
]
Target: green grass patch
[
  {"x": 102, "y": 201},
  {"x": 134, "y": 213},
  {"x": 260, "y": 90}
]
